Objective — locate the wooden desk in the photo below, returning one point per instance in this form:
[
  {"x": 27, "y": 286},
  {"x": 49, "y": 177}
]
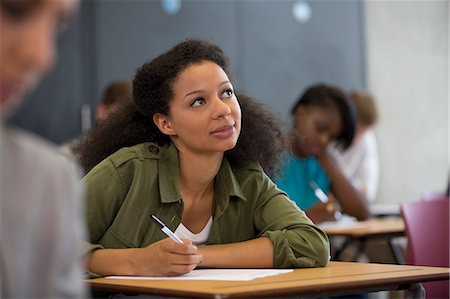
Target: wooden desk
[
  {"x": 339, "y": 278},
  {"x": 374, "y": 227},
  {"x": 360, "y": 231}
]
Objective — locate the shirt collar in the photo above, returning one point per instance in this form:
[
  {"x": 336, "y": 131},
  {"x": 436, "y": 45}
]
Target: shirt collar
[{"x": 169, "y": 175}]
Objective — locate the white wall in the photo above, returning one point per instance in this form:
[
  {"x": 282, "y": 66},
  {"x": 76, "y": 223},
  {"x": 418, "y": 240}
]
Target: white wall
[{"x": 408, "y": 61}]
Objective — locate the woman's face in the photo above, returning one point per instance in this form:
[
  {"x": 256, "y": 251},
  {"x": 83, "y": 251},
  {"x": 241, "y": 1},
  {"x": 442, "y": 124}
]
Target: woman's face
[
  {"x": 204, "y": 116},
  {"x": 28, "y": 30},
  {"x": 314, "y": 128}
]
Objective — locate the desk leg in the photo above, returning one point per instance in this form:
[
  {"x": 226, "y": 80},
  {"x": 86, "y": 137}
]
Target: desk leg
[
  {"x": 360, "y": 248},
  {"x": 415, "y": 291},
  {"x": 359, "y": 243},
  {"x": 398, "y": 255},
  {"x": 338, "y": 251}
]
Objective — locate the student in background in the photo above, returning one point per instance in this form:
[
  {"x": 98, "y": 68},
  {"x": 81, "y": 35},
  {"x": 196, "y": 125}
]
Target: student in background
[
  {"x": 321, "y": 115},
  {"x": 40, "y": 220},
  {"x": 116, "y": 94},
  {"x": 182, "y": 153},
  {"x": 360, "y": 161}
]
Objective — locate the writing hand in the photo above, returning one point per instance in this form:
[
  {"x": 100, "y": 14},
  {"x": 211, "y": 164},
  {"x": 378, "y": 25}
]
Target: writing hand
[
  {"x": 321, "y": 212},
  {"x": 167, "y": 258}
]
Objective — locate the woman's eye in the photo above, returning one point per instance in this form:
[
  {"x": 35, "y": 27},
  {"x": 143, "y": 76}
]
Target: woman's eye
[
  {"x": 320, "y": 128},
  {"x": 198, "y": 102},
  {"x": 228, "y": 93}
]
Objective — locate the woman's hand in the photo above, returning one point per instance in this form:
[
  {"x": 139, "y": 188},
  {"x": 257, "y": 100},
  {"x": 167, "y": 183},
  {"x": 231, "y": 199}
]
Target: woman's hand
[
  {"x": 321, "y": 212},
  {"x": 167, "y": 258}
]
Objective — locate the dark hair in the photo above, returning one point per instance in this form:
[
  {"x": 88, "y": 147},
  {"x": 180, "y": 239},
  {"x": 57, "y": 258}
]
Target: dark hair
[
  {"x": 117, "y": 92},
  {"x": 262, "y": 134},
  {"x": 327, "y": 96}
]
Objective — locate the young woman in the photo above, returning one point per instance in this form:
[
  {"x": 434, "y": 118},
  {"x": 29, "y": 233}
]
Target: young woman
[
  {"x": 321, "y": 115},
  {"x": 189, "y": 152}
]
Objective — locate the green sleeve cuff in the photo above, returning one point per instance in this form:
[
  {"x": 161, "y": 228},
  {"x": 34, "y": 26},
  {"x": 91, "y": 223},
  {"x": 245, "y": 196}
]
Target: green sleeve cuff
[{"x": 284, "y": 256}]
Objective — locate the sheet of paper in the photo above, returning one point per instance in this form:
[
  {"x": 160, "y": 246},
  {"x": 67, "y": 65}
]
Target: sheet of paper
[
  {"x": 345, "y": 221},
  {"x": 214, "y": 274}
]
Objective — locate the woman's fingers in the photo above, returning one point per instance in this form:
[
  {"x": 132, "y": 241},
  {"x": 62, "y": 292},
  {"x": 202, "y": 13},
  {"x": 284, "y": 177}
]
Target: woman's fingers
[
  {"x": 180, "y": 258},
  {"x": 184, "y": 259}
]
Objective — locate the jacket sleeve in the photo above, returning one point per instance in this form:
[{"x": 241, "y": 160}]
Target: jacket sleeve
[
  {"x": 105, "y": 192},
  {"x": 296, "y": 240}
]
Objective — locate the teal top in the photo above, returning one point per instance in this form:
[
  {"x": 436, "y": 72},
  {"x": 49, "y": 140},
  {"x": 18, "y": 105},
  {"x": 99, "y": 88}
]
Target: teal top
[
  {"x": 296, "y": 177},
  {"x": 135, "y": 182}
]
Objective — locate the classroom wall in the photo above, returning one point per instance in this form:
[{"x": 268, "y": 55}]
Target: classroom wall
[
  {"x": 407, "y": 70},
  {"x": 273, "y": 56}
]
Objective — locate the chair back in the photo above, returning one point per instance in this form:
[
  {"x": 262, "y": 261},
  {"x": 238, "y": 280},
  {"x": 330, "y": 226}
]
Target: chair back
[{"x": 427, "y": 231}]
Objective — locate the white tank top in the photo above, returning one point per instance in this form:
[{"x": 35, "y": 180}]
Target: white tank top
[{"x": 197, "y": 239}]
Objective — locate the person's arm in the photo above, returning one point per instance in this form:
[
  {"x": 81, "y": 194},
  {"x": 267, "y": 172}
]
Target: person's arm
[
  {"x": 256, "y": 253},
  {"x": 353, "y": 203},
  {"x": 285, "y": 238},
  {"x": 297, "y": 242},
  {"x": 163, "y": 258}
]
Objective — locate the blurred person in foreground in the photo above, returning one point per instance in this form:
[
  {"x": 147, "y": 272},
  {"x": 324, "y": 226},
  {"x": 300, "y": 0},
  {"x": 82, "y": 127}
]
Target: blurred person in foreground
[
  {"x": 360, "y": 161},
  {"x": 40, "y": 217}
]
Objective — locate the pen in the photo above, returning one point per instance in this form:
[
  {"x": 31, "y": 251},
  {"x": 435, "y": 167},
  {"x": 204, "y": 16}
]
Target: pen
[
  {"x": 318, "y": 192},
  {"x": 166, "y": 230},
  {"x": 324, "y": 198}
]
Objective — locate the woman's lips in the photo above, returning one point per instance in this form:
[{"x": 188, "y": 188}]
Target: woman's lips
[{"x": 224, "y": 132}]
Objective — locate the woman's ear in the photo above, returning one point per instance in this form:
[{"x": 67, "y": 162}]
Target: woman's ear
[{"x": 163, "y": 123}]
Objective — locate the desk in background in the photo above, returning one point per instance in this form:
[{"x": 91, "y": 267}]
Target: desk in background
[
  {"x": 358, "y": 232},
  {"x": 339, "y": 278},
  {"x": 382, "y": 210}
]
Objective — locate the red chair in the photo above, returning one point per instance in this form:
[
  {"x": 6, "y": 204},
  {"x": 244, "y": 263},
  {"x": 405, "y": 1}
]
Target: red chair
[{"x": 427, "y": 231}]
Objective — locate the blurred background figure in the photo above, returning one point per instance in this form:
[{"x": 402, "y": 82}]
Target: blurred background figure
[
  {"x": 311, "y": 177},
  {"x": 40, "y": 218},
  {"x": 115, "y": 95},
  {"x": 360, "y": 161}
]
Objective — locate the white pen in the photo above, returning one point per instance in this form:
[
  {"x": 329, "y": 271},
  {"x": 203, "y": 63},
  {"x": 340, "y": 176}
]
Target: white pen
[
  {"x": 324, "y": 198},
  {"x": 318, "y": 192},
  {"x": 166, "y": 230}
]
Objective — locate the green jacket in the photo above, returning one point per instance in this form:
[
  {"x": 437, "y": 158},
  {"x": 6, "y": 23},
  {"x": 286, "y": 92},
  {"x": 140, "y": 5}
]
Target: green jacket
[{"x": 135, "y": 182}]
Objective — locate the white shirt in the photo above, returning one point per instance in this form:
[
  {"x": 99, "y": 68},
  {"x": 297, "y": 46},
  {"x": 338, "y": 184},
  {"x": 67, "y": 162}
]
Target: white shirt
[
  {"x": 360, "y": 164},
  {"x": 197, "y": 239},
  {"x": 41, "y": 226}
]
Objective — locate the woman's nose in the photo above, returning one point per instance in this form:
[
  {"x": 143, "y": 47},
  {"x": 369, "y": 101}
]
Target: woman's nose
[
  {"x": 324, "y": 139},
  {"x": 222, "y": 109}
]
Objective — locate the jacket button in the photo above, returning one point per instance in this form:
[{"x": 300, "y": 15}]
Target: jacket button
[{"x": 153, "y": 149}]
